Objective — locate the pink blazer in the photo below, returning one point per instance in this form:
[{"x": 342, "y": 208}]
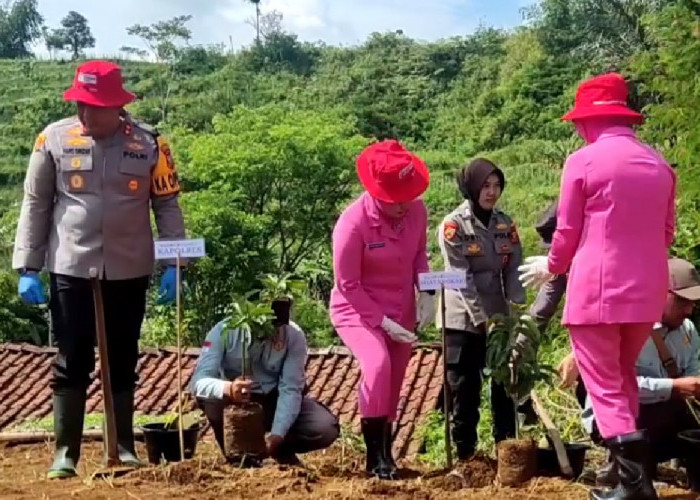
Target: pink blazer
[
  {"x": 615, "y": 222},
  {"x": 376, "y": 266}
]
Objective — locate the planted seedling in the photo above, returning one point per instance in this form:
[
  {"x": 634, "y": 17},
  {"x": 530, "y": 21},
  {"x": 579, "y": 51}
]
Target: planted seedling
[
  {"x": 511, "y": 355},
  {"x": 511, "y": 359},
  {"x": 244, "y": 432}
]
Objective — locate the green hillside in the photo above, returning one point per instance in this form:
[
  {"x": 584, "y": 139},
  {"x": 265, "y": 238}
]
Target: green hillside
[{"x": 292, "y": 116}]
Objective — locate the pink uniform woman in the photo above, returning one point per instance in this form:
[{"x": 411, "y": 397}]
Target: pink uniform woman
[
  {"x": 379, "y": 248},
  {"x": 615, "y": 222}
]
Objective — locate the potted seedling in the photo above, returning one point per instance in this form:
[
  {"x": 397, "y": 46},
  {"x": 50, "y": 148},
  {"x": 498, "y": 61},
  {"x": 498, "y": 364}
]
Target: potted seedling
[
  {"x": 244, "y": 431},
  {"x": 162, "y": 439},
  {"x": 280, "y": 291},
  {"x": 511, "y": 359}
]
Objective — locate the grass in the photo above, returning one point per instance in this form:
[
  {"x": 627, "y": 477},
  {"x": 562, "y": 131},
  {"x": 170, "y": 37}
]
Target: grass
[
  {"x": 92, "y": 421},
  {"x": 561, "y": 405}
]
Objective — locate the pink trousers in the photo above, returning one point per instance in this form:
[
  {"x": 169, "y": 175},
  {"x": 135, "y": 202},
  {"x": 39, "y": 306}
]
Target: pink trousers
[
  {"x": 606, "y": 356},
  {"x": 383, "y": 365}
]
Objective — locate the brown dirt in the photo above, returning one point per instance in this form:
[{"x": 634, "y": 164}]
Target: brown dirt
[
  {"x": 244, "y": 431},
  {"x": 334, "y": 474},
  {"x": 517, "y": 461}
]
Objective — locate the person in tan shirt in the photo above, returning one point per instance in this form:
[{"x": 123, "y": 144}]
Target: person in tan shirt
[
  {"x": 89, "y": 189},
  {"x": 481, "y": 241}
]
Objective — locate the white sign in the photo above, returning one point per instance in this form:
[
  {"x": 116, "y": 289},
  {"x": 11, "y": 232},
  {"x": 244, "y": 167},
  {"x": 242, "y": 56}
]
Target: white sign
[
  {"x": 433, "y": 281},
  {"x": 188, "y": 248}
]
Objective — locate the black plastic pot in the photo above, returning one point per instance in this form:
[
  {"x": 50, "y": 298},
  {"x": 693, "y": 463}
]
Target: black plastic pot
[
  {"x": 690, "y": 445},
  {"x": 547, "y": 463},
  {"x": 162, "y": 443},
  {"x": 281, "y": 308}
]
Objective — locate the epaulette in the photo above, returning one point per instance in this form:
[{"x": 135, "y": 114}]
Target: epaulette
[{"x": 150, "y": 129}]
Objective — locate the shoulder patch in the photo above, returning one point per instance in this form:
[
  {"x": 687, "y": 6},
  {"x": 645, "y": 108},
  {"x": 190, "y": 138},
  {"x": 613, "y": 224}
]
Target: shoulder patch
[
  {"x": 39, "y": 142},
  {"x": 164, "y": 179},
  {"x": 449, "y": 230}
]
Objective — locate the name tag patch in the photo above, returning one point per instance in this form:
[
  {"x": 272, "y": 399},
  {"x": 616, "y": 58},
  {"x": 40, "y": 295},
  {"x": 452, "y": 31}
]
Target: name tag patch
[
  {"x": 135, "y": 156},
  {"x": 77, "y": 151}
]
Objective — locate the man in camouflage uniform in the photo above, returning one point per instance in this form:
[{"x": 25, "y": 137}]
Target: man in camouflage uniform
[
  {"x": 91, "y": 182},
  {"x": 489, "y": 252}
]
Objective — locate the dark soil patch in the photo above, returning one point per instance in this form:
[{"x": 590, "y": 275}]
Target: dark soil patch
[
  {"x": 517, "y": 461},
  {"x": 244, "y": 432}
]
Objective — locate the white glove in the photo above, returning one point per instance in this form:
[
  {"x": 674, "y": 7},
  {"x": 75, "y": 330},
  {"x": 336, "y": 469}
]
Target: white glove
[
  {"x": 426, "y": 309},
  {"x": 398, "y": 332},
  {"x": 535, "y": 272}
]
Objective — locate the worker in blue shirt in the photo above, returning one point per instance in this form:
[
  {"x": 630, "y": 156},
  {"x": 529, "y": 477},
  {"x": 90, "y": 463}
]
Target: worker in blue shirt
[
  {"x": 668, "y": 373},
  {"x": 275, "y": 379}
]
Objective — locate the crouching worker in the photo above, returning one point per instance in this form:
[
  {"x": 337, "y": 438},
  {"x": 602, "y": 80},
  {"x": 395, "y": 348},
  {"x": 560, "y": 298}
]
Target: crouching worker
[{"x": 295, "y": 423}]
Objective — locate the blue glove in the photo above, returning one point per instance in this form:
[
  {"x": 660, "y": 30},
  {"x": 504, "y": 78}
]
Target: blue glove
[
  {"x": 30, "y": 289},
  {"x": 167, "y": 287}
]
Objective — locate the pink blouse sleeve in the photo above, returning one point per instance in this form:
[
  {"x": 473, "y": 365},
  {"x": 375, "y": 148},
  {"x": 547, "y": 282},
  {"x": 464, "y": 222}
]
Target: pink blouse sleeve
[
  {"x": 348, "y": 247},
  {"x": 570, "y": 215}
]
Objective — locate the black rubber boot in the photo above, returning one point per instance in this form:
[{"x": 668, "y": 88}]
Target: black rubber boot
[
  {"x": 68, "y": 417},
  {"x": 388, "y": 444},
  {"x": 632, "y": 457},
  {"x": 606, "y": 476},
  {"x": 124, "y": 416},
  {"x": 373, "y": 432}
]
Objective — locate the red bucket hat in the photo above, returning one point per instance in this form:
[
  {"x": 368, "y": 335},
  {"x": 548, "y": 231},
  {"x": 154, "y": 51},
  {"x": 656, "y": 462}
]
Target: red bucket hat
[
  {"x": 391, "y": 173},
  {"x": 99, "y": 83},
  {"x": 604, "y": 95}
]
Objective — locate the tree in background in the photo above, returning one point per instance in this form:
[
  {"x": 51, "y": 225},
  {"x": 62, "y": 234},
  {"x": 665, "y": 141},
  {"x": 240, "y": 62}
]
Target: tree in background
[
  {"x": 164, "y": 40},
  {"x": 269, "y": 23},
  {"x": 74, "y": 35},
  {"x": 20, "y": 25},
  {"x": 257, "y": 19}
]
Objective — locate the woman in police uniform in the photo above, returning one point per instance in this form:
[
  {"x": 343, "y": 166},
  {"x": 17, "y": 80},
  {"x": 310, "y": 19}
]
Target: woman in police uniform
[{"x": 483, "y": 242}]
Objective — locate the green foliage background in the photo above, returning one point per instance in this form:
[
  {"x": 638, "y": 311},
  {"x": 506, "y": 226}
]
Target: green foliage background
[{"x": 265, "y": 138}]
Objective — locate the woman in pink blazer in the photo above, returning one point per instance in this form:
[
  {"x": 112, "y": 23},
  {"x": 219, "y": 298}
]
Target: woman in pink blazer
[
  {"x": 379, "y": 248},
  {"x": 615, "y": 222}
]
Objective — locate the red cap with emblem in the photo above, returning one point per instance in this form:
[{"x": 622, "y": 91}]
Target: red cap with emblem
[
  {"x": 99, "y": 83},
  {"x": 603, "y": 95},
  {"x": 391, "y": 173}
]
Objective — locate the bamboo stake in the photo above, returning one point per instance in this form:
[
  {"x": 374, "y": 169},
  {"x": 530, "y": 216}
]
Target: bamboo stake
[{"x": 179, "y": 356}]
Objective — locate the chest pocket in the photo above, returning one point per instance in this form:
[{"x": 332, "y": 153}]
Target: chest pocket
[
  {"x": 504, "y": 249},
  {"x": 380, "y": 255},
  {"x": 135, "y": 170},
  {"x": 476, "y": 253},
  {"x": 76, "y": 172}
]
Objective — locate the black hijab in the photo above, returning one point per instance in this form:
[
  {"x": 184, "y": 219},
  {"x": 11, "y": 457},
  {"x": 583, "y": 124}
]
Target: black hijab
[{"x": 471, "y": 179}]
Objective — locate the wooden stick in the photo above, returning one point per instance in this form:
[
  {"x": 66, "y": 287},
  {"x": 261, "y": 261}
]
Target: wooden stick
[
  {"x": 110, "y": 443},
  {"x": 12, "y": 438},
  {"x": 179, "y": 357},
  {"x": 445, "y": 385},
  {"x": 553, "y": 432}
]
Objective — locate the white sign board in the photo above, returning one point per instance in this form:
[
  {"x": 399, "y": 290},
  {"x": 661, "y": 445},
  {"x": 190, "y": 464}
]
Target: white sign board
[
  {"x": 188, "y": 248},
  {"x": 433, "y": 281}
]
